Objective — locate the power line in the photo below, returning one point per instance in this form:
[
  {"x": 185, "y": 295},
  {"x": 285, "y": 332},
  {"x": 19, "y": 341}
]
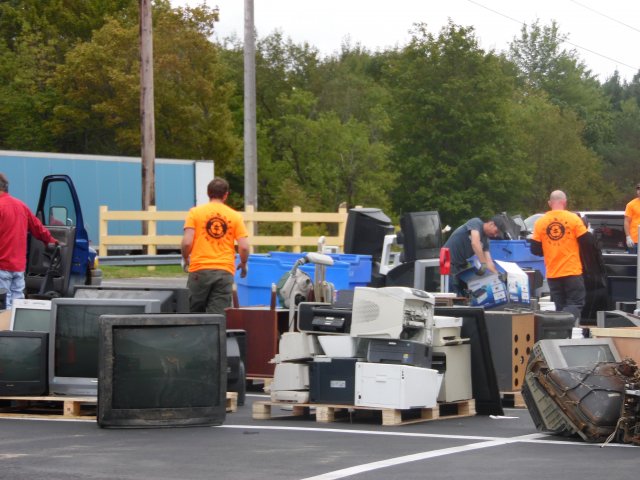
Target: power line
[
  {"x": 605, "y": 15},
  {"x": 618, "y": 62}
]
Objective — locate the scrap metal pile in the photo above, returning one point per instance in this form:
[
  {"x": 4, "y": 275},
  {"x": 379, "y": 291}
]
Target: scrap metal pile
[{"x": 600, "y": 403}]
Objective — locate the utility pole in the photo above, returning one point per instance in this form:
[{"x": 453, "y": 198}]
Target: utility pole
[
  {"x": 147, "y": 121},
  {"x": 250, "y": 136}
]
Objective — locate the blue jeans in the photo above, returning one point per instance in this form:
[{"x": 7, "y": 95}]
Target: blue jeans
[{"x": 13, "y": 283}]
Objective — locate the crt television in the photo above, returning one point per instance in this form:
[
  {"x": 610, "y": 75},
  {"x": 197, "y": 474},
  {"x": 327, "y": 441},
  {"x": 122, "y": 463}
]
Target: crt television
[
  {"x": 578, "y": 352},
  {"x": 173, "y": 299},
  {"x": 30, "y": 315},
  {"x": 553, "y": 325},
  {"x": 365, "y": 232},
  {"x": 162, "y": 370},
  {"x": 23, "y": 363},
  {"x": 73, "y": 340},
  {"x": 421, "y": 235}
]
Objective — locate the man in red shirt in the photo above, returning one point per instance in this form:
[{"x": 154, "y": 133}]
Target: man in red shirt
[{"x": 15, "y": 220}]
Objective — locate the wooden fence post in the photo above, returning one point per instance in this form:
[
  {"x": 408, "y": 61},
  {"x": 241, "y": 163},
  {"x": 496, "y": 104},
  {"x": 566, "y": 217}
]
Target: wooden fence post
[
  {"x": 297, "y": 227},
  {"x": 250, "y": 226},
  {"x": 102, "y": 231}
]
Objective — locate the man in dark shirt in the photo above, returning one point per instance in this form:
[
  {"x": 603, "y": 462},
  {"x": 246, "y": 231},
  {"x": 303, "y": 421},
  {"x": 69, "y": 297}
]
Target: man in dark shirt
[
  {"x": 15, "y": 220},
  {"x": 470, "y": 239}
]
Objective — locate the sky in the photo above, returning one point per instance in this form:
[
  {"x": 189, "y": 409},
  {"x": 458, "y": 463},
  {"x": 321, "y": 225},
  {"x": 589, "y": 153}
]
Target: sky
[{"x": 605, "y": 34}]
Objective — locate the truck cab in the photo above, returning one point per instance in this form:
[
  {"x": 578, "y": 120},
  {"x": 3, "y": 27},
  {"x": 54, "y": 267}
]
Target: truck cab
[{"x": 55, "y": 273}]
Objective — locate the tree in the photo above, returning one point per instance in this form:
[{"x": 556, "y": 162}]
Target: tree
[
  {"x": 452, "y": 143},
  {"x": 543, "y": 65},
  {"x": 99, "y": 89}
]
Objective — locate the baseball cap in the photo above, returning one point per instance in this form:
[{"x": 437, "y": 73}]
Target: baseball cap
[{"x": 501, "y": 223}]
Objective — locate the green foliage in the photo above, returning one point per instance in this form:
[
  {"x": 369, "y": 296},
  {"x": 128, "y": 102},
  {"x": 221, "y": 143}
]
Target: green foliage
[{"x": 452, "y": 144}]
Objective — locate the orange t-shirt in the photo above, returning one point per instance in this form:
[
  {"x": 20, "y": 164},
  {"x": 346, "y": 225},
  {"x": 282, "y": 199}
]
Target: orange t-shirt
[
  {"x": 558, "y": 231},
  {"x": 633, "y": 212},
  {"x": 217, "y": 227}
]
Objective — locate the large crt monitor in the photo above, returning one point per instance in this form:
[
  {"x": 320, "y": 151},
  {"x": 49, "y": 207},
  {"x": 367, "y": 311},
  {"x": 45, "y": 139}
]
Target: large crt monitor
[
  {"x": 421, "y": 235},
  {"x": 30, "y": 315},
  {"x": 172, "y": 299},
  {"x": 73, "y": 340},
  {"x": 365, "y": 231},
  {"x": 578, "y": 352},
  {"x": 23, "y": 363},
  {"x": 162, "y": 370}
]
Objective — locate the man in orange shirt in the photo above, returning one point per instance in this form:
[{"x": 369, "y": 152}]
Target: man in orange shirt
[
  {"x": 631, "y": 222},
  {"x": 208, "y": 249},
  {"x": 557, "y": 236}
]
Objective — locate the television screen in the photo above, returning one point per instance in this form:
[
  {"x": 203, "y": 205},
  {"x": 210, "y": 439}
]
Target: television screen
[
  {"x": 422, "y": 235},
  {"x": 585, "y": 355},
  {"x": 73, "y": 344},
  {"x": 162, "y": 370},
  {"x": 30, "y": 315},
  {"x": 576, "y": 352},
  {"x": 23, "y": 363},
  {"x": 365, "y": 232}
]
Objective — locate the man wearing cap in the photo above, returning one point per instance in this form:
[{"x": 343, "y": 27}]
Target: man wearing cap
[
  {"x": 558, "y": 236},
  {"x": 631, "y": 222},
  {"x": 470, "y": 239}
]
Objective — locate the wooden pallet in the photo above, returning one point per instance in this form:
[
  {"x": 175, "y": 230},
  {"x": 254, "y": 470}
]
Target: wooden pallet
[
  {"x": 390, "y": 416},
  {"x": 266, "y": 381},
  {"x": 512, "y": 400},
  {"x": 68, "y": 407},
  {"x": 50, "y": 407}
]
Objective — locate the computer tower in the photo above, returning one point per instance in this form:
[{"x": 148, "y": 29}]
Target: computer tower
[
  {"x": 396, "y": 386},
  {"x": 332, "y": 380},
  {"x": 456, "y": 383},
  {"x": 511, "y": 338}
]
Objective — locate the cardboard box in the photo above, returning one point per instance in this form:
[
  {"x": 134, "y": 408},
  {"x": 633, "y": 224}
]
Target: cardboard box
[
  {"x": 5, "y": 319},
  {"x": 489, "y": 291}
]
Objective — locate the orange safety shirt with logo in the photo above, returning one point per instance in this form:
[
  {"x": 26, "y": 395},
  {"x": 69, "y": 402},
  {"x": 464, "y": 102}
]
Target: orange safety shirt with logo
[
  {"x": 558, "y": 232},
  {"x": 217, "y": 226},
  {"x": 633, "y": 212}
]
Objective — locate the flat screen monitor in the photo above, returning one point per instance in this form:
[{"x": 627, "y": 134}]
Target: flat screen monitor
[
  {"x": 365, "y": 232},
  {"x": 578, "y": 352},
  {"x": 23, "y": 363},
  {"x": 30, "y": 315},
  {"x": 73, "y": 340},
  {"x": 421, "y": 235},
  {"x": 162, "y": 370},
  {"x": 173, "y": 299}
]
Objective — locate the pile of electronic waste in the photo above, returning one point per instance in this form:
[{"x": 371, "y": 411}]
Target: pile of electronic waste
[
  {"x": 582, "y": 387},
  {"x": 377, "y": 349}
]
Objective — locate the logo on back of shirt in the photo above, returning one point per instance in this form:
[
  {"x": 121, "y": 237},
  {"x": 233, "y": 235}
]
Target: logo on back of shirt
[
  {"x": 555, "y": 230},
  {"x": 216, "y": 227}
]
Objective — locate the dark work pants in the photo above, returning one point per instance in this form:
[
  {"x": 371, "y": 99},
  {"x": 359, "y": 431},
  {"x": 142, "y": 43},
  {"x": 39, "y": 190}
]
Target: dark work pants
[
  {"x": 568, "y": 293},
  {"x": 210, "y": 291}
]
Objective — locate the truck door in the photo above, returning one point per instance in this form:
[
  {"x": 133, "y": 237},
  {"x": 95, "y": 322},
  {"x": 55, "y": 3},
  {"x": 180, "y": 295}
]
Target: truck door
[{"x": 59, "y": 210}]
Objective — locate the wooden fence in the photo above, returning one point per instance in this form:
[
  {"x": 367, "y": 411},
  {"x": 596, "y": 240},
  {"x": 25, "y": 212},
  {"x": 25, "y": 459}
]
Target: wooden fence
[{"x": 251, "y": 218}]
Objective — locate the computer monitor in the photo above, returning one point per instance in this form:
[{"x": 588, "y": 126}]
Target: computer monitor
[
  {"x": 421, "y": 235},
  {"x": 553, "y": 325},
  {"x": 73, "y": 340},
  {"x": 173, "y": 299},
  {"x": 23, "y": 363},
  {"x": 365, "y": 232},
  {"x": 578, "y": 352},
  {"x": 616, "y": 318},
  {"x": 162, "y": 370},
  {"x": 30, "y": 315}
]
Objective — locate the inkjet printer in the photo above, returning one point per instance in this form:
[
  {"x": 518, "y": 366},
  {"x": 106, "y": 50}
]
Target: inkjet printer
[{"x": 323, "y": 317}]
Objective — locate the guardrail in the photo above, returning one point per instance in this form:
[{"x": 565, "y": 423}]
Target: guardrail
[{"x": 251, "y": 218}]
